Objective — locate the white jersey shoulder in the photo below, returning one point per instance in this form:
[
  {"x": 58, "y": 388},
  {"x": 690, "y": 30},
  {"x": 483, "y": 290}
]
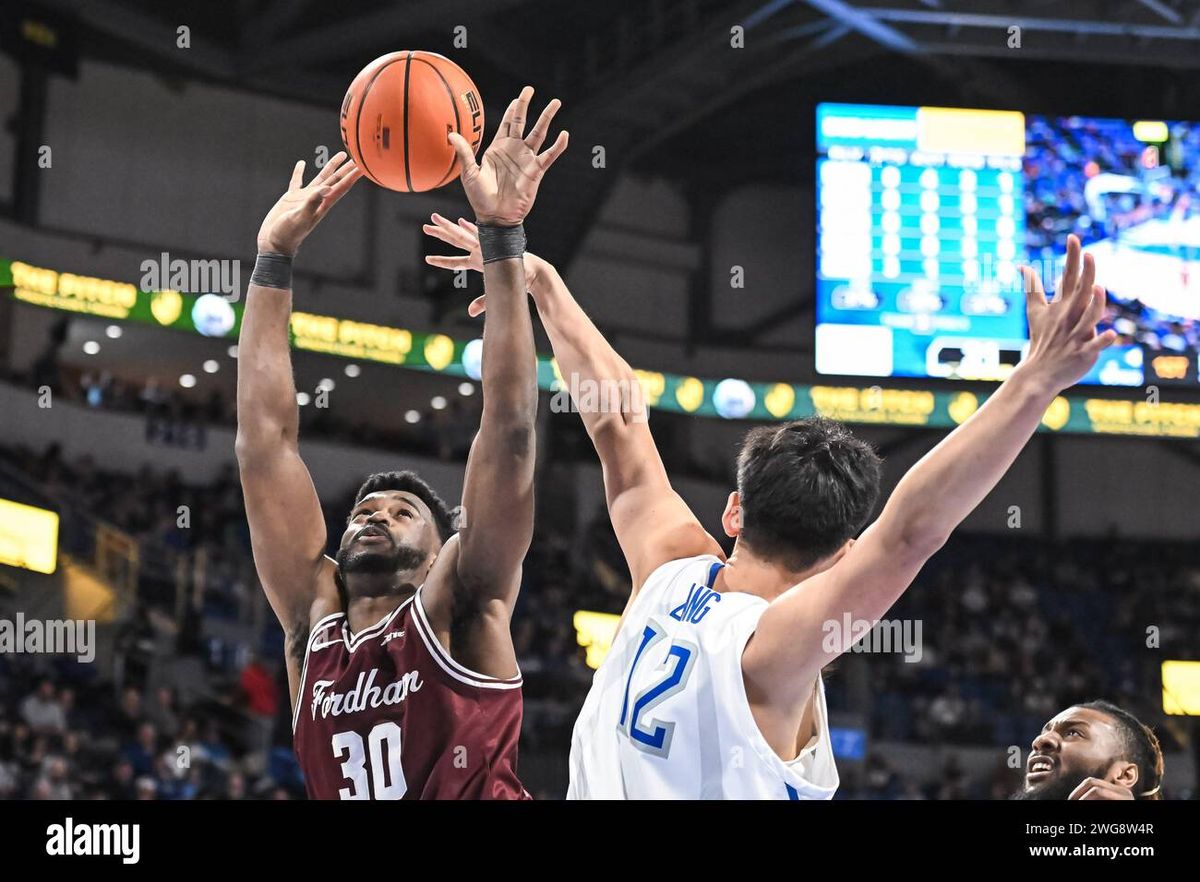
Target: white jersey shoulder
[{"x": 667, "y": 716}]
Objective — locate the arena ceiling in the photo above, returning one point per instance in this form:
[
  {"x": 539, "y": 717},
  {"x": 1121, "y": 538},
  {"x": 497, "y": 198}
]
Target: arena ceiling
[
  {"x": 650, "y": 75},
  {"x": 658, "y": 83}
]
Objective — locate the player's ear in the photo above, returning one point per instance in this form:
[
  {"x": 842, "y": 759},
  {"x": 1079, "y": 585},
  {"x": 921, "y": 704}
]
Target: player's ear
[
  {"x": 1124, "y": 773},
  {"x": 731, "y": 518}
]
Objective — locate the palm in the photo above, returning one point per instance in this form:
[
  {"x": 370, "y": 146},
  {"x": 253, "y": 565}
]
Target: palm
[
  {"x": 285, "y": 221},
  {"x": 301, "y": 208},
  {"x": 507, "y": 181},
  {"x": 503, "y": 187}
]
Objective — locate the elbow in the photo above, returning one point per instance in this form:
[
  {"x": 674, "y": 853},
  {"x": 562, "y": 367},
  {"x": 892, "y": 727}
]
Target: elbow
[
  {"x": 252, "y": 445},
  {"x": 512, "y": 437},
  {"x": 519, "y": 441}
]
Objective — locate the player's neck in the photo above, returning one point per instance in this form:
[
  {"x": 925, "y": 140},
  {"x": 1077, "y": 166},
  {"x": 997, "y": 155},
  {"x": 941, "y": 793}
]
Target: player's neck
[
  {"x": 372, "y": 597},
  {"x": 753, "y": 575}
]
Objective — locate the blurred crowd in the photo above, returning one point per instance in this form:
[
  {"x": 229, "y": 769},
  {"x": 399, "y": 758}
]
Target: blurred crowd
[
  {"x": 1013, "y": 630},
  {"x": 180, "y": 418}
]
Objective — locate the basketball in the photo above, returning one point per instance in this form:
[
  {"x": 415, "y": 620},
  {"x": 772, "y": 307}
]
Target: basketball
[{"x": 397, "y": 115}]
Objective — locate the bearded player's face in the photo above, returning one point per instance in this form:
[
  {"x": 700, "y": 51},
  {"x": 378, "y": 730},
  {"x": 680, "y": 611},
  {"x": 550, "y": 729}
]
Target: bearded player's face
[
  {"x": 387, "y": 532},
  {"x": 1078, "y": 743}
]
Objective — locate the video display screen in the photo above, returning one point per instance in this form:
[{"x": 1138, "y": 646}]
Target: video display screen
[{"x": 925, "y": 213}]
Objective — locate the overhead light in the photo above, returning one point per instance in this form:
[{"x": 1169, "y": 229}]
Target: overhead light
[
  {"x": 91, "y": 347},
  {"x": 412, "y": 416},
  {"x": 302, "y": 398},
  {"x": 326, "y": 385},
  {"x": 113, "y": 331},
  {"x": 472, "y": 359},
  {"x": 353, "y": 370},
  {"x": 437, "y": 402},
  {"x": 232, "y": 350},
  {"x": 211, "y": 366},
  {"x": 466, "y": 389},
  {"x": 187, "y": 381}
]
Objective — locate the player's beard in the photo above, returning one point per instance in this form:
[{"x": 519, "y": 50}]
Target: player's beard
[
  {"x": 397, "y": 559},
  {"x": 1059, "y": 787}
]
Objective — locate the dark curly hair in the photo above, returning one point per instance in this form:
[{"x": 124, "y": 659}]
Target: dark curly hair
[
  {"x": 445, "y": 518},
  {"x": 1141, "y": 747}
]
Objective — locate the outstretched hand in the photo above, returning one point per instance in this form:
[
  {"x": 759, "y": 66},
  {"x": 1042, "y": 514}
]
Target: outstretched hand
[
  {"x": 503, "y": 186},
  {"x": 1063, "y": 343},
  {"x": 301, "y": 208},
  {"x": 465, "y": 235}
]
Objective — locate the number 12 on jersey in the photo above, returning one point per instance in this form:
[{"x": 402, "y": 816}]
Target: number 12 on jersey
[{"x": 646, "y": 733}]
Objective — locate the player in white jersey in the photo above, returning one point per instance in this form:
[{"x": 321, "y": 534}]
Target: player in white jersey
[
  {"x": 671, "y": 688},
  {"x": 712, "y": 687}
]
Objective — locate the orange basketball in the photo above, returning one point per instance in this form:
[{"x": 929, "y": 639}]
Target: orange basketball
[{"x": 397, "y": 115}]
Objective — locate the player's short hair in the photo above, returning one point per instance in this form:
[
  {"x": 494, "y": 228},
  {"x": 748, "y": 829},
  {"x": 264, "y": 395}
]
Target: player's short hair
[
  {"x": 1140, "y": 745},
  {"x": 444, "y": 518},
  {"x": 805, "y": 488}
]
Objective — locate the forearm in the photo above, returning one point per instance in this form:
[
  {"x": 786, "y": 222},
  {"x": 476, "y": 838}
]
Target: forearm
[
  {"x": 948, "y": 483},
  {"x": 509, "y": 376},
  {"x": 266, "y": 392},
  {"x": 584, "y": 355},
  {"x": 498, "y": 488}
]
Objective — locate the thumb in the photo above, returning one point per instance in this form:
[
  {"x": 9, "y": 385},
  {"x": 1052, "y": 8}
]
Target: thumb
[
  {"x": 466, "y": 157},
  {"x": 478, "y": 306}
]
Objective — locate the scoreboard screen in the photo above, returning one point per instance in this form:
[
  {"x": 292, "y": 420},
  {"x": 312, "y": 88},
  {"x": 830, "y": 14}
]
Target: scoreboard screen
[{"x": 925, "y": 214}]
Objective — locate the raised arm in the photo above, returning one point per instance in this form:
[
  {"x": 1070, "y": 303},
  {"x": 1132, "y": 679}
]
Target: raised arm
[
  {"x": 652, "y": 522},
  {"x": 287, "y": 529},
  {"x": 789, "y": 646},
  {"x": 498, "y": 488}
]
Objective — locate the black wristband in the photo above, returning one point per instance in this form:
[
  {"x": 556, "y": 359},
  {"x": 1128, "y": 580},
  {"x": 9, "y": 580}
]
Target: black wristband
[
  {"x": 501, "y": 243},
  {"x": 272, "y": 270}
]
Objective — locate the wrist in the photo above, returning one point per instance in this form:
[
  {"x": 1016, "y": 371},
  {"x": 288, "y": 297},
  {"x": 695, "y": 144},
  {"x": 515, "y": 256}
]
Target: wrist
[
  {"x": 501, "y": 241},
  {"x": 272, "y": 269},
  {"x": 266, "y": 246},
  {"x": 1029, "y": 379}
]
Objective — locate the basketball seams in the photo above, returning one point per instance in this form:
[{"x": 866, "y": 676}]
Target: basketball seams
[
  {"x": 407, "y": 81},
  {"x": 394, "y": 107},
  {"x": 362, "y": 102},
  {"x": 457, "y": 120}
]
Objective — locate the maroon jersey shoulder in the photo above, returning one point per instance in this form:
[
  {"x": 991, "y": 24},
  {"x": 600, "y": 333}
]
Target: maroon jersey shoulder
[{"x": 388, "y": 714}]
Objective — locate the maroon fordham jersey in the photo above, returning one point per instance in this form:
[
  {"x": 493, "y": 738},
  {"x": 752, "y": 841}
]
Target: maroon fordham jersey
[{"x": 387, "y": 714}]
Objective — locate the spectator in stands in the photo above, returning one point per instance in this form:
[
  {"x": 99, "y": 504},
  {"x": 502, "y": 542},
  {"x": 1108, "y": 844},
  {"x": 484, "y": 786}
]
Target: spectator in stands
[
  {"x": 143, "y": 752},
  {"x": 261, "y": 698},
  {"x": 42, "y": 711}
]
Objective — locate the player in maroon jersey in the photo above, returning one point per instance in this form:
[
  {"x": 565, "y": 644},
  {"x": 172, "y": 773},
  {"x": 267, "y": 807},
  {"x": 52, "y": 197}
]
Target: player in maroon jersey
[{"x": 400, "y": 662}]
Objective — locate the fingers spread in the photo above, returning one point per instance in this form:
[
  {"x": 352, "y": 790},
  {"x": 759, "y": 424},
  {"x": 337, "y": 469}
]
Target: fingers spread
[
  {"x": 545, "y": 160},
  {"x": 330, "y": 167},
  {"x": 443, "y": 229},
  {"x": 466, "y": 158},
  {"x": 297, "y": 176},
  {"x": 1071, "y": 273},
  {"x": 336, "y": 191},
  {"x": 538, "y": 133},
  {"x": 448, "y": 261},
  {"x": 313, "y": 200},
  {"x": 1101, "y": 342},
  {"x": 338, "y": 179},
  {"x": 1092, "y": 313},
  {"x": 1035, "y": 294}
]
